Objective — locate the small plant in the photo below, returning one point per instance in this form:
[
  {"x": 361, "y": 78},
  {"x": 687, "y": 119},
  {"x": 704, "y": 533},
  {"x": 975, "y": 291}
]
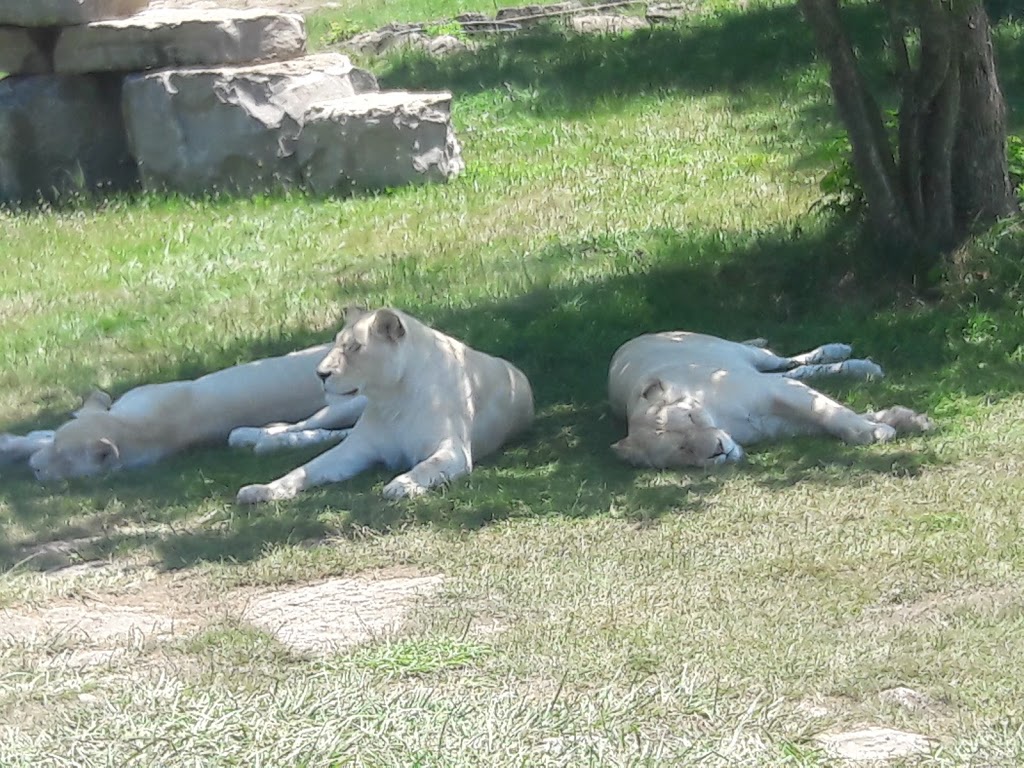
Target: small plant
[
  {"x": 841, "y": 193},
  {"x": 438, "y": 29},
  {"x": 340, "y": 30},
  {"x": 1015, "y": 158}
]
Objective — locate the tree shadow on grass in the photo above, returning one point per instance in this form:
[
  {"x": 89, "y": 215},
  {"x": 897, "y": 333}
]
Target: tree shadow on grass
[
  {"x": 789, "y": 287},
  {"x": 740, "y": 53},
  {"x": 753, "y": 56}
]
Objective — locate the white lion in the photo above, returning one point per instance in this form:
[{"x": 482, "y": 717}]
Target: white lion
[
  {"x": 153, "y": 421},
  {"x": 696, "y": 400},
  {"x": 434, "y": 406}
]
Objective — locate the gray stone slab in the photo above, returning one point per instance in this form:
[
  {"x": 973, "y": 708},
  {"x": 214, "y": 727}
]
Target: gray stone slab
[
  {"x": 378, "y": 140},
  {"x": 62, "y": 13},
  {"x": 230, "y": 129},
  {"x": 26, "y": 51},
  {"x": 180, "y": 38},
  {"x": 61, "y": 136}
]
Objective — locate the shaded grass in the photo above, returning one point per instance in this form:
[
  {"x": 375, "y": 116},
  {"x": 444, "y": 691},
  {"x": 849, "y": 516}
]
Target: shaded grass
[{"x": 615, "y": 186}]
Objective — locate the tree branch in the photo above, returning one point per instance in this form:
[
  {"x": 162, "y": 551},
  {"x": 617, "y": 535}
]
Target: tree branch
[
  {"x": 872, "y": 155},
  {"x": 920, "y": 89}
]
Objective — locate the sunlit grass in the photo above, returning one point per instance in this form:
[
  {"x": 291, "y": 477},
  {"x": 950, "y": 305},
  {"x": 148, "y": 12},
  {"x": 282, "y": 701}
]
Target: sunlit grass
[{"x": 591, "y": 614}]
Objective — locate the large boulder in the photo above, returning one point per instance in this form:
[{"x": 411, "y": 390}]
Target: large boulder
[
  {"x": 60, "y": 136},
  {"x": 26, "y": 51},
  {"x": 65, "y": 13},
  {"x": 180, "y": 38},
  {"x": 378, "y": 140},
  {"x": 230, "y": 129}
]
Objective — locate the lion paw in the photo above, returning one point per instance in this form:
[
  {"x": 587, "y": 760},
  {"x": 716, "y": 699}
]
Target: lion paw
[
  {"x": 244, "y": 437},
  {"x": 259, "y": 494},
  {"x": 403, "y": 487},
  {"x": 883, "y": 433}
]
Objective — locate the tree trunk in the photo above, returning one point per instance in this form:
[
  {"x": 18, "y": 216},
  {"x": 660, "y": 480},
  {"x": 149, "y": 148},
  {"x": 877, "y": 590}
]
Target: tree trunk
[
  {"x": 981, "y": 176},
  {"x": 950, "y": 172},
  {"x": 872, "y": 156}
]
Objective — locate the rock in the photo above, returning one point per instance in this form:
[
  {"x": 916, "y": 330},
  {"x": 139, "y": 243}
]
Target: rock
[
  {"x": 230, "y": 129},
  {"x": 380, "y": 41},
  {"x": 171, "y": 38},
  {"x": 26, "y": 51},
  {"x": 444, "y": 45},
  {"x": 661, "y": 13},
  {"x": 526, "y": 13},
  {"x": 379, "y": 140},
  {"x": 65, "y": 13},
  {"x": 61, "y": 135},
  {"x": 605, "y": 24},
  {"x": 393, "y": 36},
  {"x": 873, "y": 744}
]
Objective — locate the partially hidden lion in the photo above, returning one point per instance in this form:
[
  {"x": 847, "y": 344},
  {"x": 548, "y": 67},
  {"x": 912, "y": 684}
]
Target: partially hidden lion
[
  {"x": 434, "y": 406},
  {"x": 695, "y": 400},
  {"x": 153, "y": 421}
]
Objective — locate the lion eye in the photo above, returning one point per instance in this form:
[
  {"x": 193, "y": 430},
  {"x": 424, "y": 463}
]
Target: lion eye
[{"x": 354, "y": 347}]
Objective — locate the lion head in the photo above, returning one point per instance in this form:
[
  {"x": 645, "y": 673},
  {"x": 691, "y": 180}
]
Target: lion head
[{"x": 668, "y": 431}]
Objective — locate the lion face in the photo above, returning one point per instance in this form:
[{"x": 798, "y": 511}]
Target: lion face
[
  {"x": 667, "y": 432},
  {"x": 80, "y": 448},
  {"x": 368, "y": 353}
]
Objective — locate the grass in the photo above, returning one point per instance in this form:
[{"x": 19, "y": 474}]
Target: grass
[{"x": 591, "y": 614}]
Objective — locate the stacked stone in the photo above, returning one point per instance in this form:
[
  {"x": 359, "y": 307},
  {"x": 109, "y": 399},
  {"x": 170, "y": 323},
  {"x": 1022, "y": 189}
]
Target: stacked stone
[{"x": 107, "y": 95}]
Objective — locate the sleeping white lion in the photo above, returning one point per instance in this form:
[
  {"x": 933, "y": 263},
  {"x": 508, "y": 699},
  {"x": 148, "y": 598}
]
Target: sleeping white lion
[
  {"x": 696, "y": 400},
  {"x": 434, "y": 406},
  {"x": 153, "y": 421}
]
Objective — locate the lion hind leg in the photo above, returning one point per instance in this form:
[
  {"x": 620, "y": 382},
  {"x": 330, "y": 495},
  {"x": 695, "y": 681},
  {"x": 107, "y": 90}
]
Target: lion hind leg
[
  {"x": 15, "y": 448},
  {"x": 304, "y": 438},
  {"x": 833, "y": 353},
  {"x": 861, "y": 370}
]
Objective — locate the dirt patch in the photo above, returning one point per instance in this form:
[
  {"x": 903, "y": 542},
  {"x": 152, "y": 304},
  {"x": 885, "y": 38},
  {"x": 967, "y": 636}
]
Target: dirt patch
[
  {"x": 154, "y": 612},
  {"x": 338, "y": 613},
  {"x": 873, "y": 745},
  {"x": 99, "y": 629},
  {"x": 938, "y": 608}
]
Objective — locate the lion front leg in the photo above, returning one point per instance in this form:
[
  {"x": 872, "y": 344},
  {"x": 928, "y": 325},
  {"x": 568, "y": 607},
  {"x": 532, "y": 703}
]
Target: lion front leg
[
  {"x": 451, "y": 460},
  {"x": 339, "y": 463},
  {"x": 809, "y": 411}
]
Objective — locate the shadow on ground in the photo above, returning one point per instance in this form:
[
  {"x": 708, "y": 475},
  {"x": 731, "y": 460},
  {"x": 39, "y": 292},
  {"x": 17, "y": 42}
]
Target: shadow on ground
[
  {"x": 795, "y": 289},
  {"x": 570, "y": 75}
]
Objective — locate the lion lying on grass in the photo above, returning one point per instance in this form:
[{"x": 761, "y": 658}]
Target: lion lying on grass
[
  {"x": 696, "y": 400},
  {"x": 153, "y": 421},
  {"x": 434, "y": 406}
]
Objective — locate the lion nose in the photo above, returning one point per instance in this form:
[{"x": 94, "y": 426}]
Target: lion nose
[{"x": 324, "y": 375}]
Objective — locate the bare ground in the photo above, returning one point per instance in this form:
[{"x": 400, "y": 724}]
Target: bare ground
[{"x": 311, "y": 618}]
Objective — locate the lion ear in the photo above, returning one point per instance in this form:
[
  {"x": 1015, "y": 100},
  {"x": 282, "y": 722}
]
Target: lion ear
[
  {"x": 105, "y": 452},
  {"x": 98, "y": 400},
  {"x": 353, "y": 312},
  {"x": 387, "y": 324},
  {"x": 654, "y": 390}
]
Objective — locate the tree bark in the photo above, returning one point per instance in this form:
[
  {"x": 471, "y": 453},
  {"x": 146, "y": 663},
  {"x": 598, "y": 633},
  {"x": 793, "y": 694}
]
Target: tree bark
[
  {"x": 981, "y": 176},
  {"x": 872, "y": 156},
  {"x": 950, "y": 173}
]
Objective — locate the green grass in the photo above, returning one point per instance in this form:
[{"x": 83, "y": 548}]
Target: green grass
[{"x": 591, "y": 614}]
